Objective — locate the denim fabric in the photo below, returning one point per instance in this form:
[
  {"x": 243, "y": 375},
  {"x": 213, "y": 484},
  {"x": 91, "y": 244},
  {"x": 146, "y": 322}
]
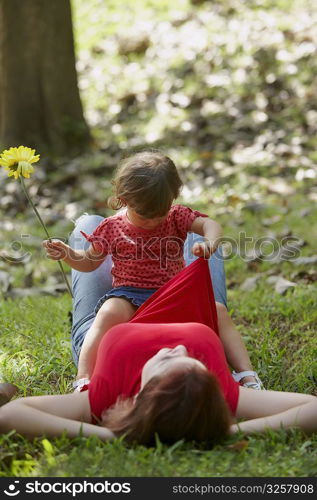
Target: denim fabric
[
  {"x": 135, "y": 295},
  {"x": 88, "y": 288}
]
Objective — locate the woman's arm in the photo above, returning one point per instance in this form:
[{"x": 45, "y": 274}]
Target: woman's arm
[
  {"x": 51, "y": 416},
  {"x": 275, "y": 410}
]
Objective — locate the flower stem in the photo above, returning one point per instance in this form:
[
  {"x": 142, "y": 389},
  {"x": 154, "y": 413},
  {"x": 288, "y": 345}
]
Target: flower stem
[{"x": 46, "y": 231}]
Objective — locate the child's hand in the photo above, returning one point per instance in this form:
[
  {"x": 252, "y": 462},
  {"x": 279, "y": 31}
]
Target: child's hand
[
  {"x": 55, "y": 249},
  {"x": 203, "y": 249}
]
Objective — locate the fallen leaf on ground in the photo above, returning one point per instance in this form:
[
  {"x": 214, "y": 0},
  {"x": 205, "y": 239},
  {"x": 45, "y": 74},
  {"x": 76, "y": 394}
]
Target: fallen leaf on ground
[
  {"x": 250, "y": 283},
  {"x": 271, "y": 280},
  {"x": 280, "y": 186},
  {"x": 282, "y": 285}
]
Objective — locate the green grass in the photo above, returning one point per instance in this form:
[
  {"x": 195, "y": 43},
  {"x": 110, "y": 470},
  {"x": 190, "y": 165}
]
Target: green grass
[
  {"x": 279, "y": 331},
  {"x": 263, "y": 456}
]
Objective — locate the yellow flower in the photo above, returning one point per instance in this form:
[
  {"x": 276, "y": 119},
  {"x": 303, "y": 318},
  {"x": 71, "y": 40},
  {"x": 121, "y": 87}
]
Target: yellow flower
[{"x": 18, "y": 161}]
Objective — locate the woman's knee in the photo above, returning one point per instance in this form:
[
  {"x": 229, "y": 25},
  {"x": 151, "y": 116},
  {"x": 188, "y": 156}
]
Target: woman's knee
[
  {"x": 86, "y": 223},
  {"x": 86, "y": 219}
]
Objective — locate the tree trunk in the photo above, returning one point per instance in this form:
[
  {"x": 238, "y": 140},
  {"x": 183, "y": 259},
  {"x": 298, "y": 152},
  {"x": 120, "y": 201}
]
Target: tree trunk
[{"x": 39, "y": 99}]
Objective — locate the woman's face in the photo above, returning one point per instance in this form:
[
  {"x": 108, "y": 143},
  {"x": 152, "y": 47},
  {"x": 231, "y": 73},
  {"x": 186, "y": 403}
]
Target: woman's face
[{"x": 168, "y": 359}]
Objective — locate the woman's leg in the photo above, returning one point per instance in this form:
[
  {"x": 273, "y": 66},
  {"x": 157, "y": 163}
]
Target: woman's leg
[
  {"x": 88, "y": 288},
  {"x": 114, "y": 311},
  {"x": 234, "y": 347},
  {"x": 216, "y": 267}
]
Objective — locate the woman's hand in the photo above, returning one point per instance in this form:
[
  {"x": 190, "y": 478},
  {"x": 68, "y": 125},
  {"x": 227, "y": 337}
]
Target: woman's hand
[
  {"x": 203, "y": 249},
  {"x": 56, "y": 249}
]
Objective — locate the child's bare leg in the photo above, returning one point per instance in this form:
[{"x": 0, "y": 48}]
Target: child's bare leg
[
  {"x": 114, "y": 311},
  {"x": 234, "y": 347}
]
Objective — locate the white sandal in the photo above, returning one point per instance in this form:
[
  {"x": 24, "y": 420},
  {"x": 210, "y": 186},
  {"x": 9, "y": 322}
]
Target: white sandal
[
  {"x": 80, "y": 383},
  {"x": 257, "y": 385}
]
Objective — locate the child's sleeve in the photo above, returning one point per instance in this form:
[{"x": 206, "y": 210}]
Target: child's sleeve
[
  {"x": 184, "y": 217},
  {"x": 100, "y": 238}
]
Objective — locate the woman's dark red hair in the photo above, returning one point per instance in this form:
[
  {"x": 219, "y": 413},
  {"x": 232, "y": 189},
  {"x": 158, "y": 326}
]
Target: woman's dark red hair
[{"x": 184, "y": 404}]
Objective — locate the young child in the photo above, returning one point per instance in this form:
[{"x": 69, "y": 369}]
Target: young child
[{"x": 146, "y": 241}]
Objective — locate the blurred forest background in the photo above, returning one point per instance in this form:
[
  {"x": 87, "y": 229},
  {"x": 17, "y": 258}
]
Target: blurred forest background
[{"x": 228, "y": 89}]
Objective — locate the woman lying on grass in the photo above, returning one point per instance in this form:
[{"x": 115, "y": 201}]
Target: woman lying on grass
[
  {"x": 179, "y": 399},
  {"x": 163, "y": 373}
]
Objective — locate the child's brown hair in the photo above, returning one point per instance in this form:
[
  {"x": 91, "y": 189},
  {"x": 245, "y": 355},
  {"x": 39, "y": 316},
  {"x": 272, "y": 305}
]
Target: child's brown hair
[{"x": 148, "y": 182}]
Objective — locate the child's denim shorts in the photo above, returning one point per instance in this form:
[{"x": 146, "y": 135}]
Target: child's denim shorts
[{"x": 134, "y": 295}]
